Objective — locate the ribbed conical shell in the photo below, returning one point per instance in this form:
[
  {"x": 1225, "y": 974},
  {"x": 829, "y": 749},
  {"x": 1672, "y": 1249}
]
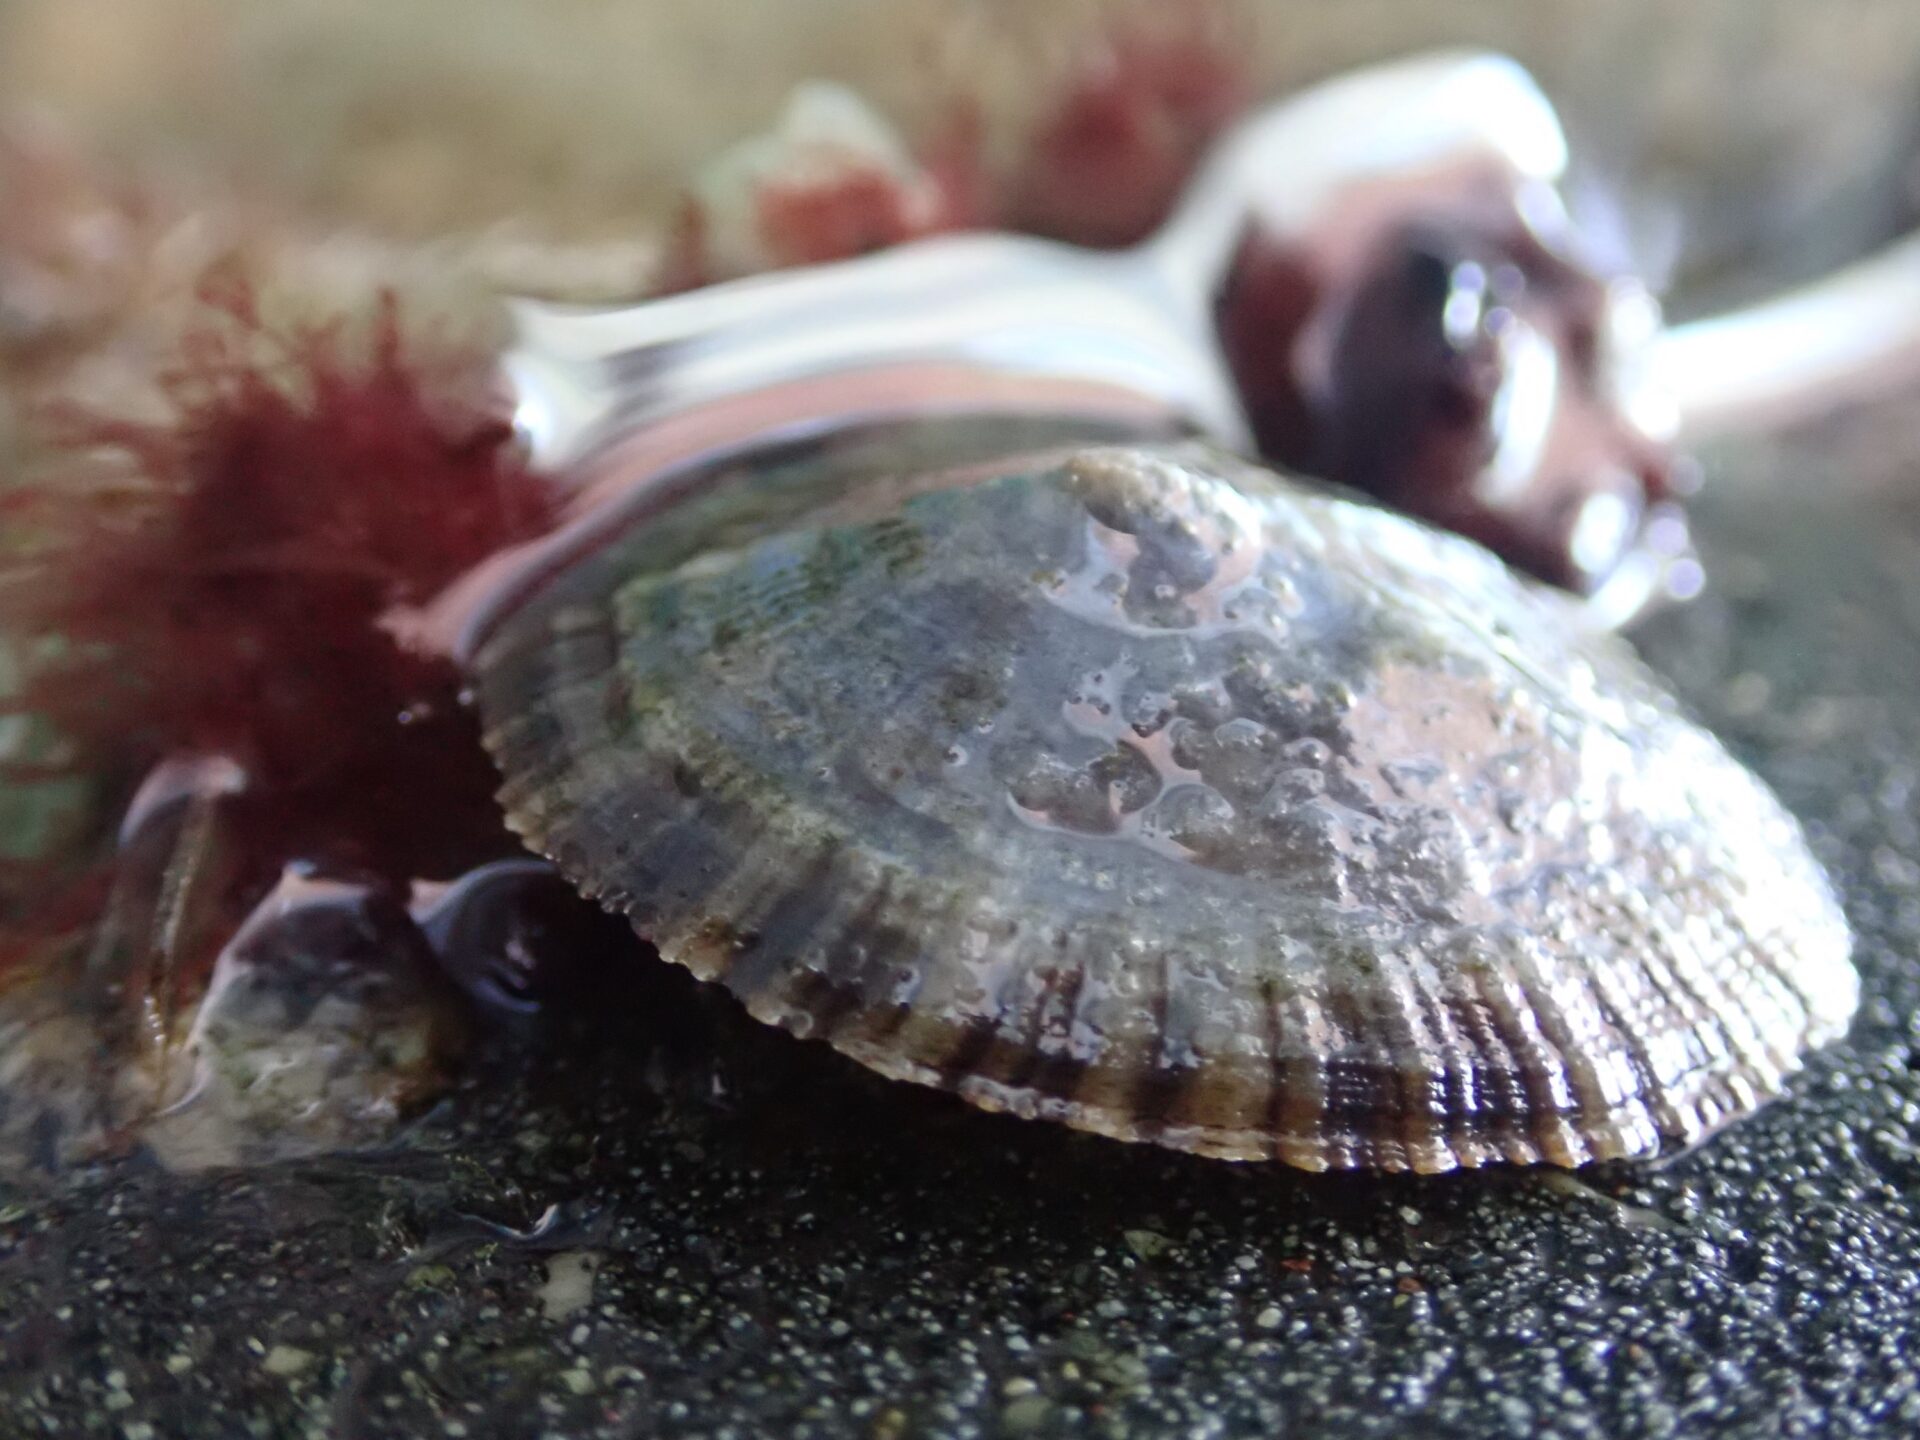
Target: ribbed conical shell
[{"x": 1147, "y": 792}]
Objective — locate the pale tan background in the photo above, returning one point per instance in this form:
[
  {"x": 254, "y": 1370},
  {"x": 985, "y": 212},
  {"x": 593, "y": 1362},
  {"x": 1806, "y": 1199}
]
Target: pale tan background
[{"x": 1772, "y": 128}]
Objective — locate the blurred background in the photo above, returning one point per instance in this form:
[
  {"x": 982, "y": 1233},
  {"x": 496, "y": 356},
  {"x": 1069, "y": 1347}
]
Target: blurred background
[{"x": 1753, "y": 138}]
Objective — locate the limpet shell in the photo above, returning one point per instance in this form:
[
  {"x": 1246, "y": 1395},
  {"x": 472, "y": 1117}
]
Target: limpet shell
[{"x": 1148, "y": 792}]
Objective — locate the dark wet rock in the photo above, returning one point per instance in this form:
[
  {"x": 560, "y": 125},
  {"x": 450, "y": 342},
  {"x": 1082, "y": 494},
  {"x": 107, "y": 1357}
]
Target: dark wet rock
[{"x": 790, "y": 1247}]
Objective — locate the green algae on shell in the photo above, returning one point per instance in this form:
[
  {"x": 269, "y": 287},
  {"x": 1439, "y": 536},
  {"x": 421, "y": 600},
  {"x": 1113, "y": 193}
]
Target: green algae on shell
[{"x": 1145, "y": 791}]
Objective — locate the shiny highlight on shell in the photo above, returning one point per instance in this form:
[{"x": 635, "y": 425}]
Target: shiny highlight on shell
[{"x": 1148, "y": 792}]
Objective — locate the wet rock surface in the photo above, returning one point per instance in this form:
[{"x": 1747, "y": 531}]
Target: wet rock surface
[{"x": 671, "y": 1221}]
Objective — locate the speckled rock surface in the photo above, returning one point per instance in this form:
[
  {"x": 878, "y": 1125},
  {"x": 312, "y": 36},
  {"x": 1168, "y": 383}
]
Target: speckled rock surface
[{"x": 748, "y": 1236}]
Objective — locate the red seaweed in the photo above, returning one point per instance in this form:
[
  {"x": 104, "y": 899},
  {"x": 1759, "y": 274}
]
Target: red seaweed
[
  {"x": 1105, "y": 163},
  {"x": 214, "y": 582},
  {"x": 838, "y": 212},
  {"x": 853, "y": 213},
  {"x": 1105, "y": 167}
]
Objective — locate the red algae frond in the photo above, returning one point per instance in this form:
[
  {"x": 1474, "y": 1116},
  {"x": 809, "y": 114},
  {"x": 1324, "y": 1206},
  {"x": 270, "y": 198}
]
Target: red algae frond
[
  {"x": 213, "y": 582},
  {"x": 1110, "y": 155},
  {"x": 852, "y": 214},
  {"x": 1103, "y": 166},
  {"x": 829, "y": 181}
]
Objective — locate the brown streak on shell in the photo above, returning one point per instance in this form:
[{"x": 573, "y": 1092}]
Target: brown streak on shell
[{"x": 1149, "y": 793}]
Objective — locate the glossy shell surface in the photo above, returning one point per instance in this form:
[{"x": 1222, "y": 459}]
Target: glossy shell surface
[{"x": 1145, "y": 791}]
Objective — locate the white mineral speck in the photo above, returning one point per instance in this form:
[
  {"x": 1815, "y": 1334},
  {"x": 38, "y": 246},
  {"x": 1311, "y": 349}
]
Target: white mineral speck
[
  {"x": 569, "y": 1284},
  {"x": 286, "y": 1360}
]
